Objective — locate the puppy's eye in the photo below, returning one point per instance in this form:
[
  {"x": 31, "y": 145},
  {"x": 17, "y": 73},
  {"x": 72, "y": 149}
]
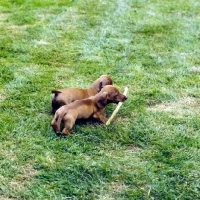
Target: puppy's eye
[{"x": 116, "y": 95}]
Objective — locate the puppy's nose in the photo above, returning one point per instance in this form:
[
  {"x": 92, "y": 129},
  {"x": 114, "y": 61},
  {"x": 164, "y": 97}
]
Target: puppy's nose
[{"x": 125, "y": 97}]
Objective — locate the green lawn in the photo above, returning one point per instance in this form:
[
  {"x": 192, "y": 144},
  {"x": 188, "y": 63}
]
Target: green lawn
[{"x": 151, "y": 150}]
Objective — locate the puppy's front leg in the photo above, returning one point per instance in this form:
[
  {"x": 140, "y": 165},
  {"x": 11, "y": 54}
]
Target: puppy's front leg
[{"x": 100, "y": 117}]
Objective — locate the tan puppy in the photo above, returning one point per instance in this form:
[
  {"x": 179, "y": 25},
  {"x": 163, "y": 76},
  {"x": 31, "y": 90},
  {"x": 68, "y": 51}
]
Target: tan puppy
[
  {"x": 85, "y": 108},
  {"x": 68, "y": 95}
]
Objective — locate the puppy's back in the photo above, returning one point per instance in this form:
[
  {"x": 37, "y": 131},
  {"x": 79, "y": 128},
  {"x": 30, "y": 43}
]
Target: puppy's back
[{"x": 69, "y": 95}]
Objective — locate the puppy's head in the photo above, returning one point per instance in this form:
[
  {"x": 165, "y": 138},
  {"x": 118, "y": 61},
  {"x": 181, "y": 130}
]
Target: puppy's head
[
  {"x": 102, "y": 81},
  {"x": 113, "y": 94}
]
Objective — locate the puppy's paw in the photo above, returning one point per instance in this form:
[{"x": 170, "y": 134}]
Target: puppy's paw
[{"x": 65, "y": 132}]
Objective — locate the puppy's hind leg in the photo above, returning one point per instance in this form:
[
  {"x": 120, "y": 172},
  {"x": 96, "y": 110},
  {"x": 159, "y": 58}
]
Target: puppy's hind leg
[{"x": 69, "y": 122}]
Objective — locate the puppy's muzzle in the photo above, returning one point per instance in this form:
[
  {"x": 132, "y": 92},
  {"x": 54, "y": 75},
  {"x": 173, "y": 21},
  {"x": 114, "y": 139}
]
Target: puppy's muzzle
[{"x": 124, "y": 98}]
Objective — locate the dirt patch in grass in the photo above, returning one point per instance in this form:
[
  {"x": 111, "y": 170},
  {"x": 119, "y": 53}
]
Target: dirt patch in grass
[
  {"x": 1, "y": 97},
  {"x": 20, "y": 180},
  {"x": 117, "y": 186},
  {"x": 113, "y": 188},
  {"x": 121, "y": 119},
  {"x": 195, "y": 69},
  {"x": 3, "y": 17},
  {"x": 15, "y": 27},
  {"x": 124, "y": 153},
  {"x": 17, "y": 183},
  {"x": 187, "y": 105},
  {"x": 9, "y": 154},
  {"x": 41, "y": 42}
]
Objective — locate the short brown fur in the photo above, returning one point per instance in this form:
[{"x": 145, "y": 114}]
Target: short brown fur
[
  {"x": 68, "y": 95},
  {"x": 83, "y": 109}
]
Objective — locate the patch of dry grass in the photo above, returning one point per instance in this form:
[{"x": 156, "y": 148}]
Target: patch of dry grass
[{"x": 186, "y": 106}]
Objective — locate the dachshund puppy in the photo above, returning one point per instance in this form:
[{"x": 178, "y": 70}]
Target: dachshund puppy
[
  {"x": 68, "y": 95},
  {"x": 83, "y": 109}
]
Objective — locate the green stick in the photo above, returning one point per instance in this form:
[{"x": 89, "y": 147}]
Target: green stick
[{"x": 117, "y": 108}]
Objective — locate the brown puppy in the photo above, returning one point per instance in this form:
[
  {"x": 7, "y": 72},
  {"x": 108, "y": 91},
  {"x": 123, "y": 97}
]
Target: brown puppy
[
  {"x": 68, "y": 95},
  {"x": 85, "y": 108}
]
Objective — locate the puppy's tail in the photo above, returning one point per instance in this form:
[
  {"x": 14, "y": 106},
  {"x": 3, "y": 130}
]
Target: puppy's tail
[
  {"x": 54, "y": 104},
  {"x": 55, "y": 91}
]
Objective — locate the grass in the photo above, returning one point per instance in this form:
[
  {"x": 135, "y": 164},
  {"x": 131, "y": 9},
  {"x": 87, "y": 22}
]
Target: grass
[{"x": 151, "y": 151}]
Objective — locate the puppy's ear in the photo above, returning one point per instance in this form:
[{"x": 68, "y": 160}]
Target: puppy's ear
[
  {"x": 102, "y": 100},
  {"x": 103, "y": 83},
  {"x": 100, "y": 85}
]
